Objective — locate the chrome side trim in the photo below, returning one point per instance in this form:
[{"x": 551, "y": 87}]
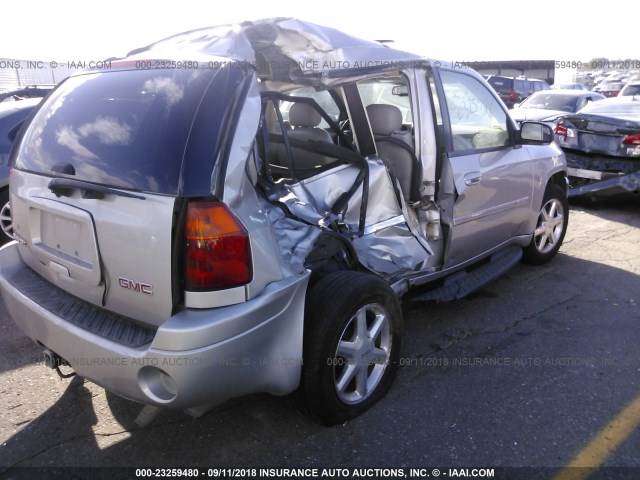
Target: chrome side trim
[
  {"x": 384, "y": 224},
  {"x": 491, "y": 211}
]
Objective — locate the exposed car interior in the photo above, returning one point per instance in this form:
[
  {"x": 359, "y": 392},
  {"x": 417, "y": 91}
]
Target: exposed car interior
[{"x": 308, "y": 131}]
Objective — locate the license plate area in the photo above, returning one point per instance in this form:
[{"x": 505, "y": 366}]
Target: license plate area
[
  {"x": 63, "y": 238},
  {"x": 599, "y": 143}
]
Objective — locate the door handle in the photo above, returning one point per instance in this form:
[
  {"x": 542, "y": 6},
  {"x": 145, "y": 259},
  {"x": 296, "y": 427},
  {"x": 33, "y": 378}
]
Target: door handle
[{"x": 472, "y": 178}]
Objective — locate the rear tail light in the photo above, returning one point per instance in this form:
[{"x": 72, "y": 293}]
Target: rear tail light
[
  {"x": 513, "y": 96},
  {"x": 631, "y": 140},
  {"x": 561, "y": 131},
  {"x": 218, "y": 251}
]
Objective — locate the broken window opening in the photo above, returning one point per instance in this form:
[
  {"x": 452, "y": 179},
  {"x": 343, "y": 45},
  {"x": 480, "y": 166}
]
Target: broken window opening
[{"x": 294, "y": 148}]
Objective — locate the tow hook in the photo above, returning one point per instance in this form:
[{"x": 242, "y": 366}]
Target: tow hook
[{"x": 55, "y": 361}]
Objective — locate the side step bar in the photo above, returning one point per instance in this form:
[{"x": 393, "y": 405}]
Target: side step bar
[{"x": 465, "y": 282}]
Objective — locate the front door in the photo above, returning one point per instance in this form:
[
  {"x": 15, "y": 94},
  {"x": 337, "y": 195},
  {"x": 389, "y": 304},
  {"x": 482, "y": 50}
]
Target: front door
[{"x": 493, "y": 178}]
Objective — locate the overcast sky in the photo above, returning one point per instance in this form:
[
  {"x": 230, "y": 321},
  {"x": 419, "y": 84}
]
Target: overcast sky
[{"x": 449, "y": 30}]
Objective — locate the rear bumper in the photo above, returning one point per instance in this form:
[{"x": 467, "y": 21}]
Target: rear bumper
[
  {"x": 621, "y": 185},
  {"x": 196, "y": 359},
  {"x": 602, "y": 176}
]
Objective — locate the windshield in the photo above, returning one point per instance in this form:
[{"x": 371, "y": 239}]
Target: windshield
[
  {"x": 391, "y": 91},
  {"x": 128, "y": 129},
  {"x": 547, "y": 101},
  {"x": 630, "y": 90},
  {"x": 500, "y": 84}
]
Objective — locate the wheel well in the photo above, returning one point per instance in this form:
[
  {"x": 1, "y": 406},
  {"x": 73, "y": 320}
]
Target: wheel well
[
  {"x": 559, "y": 179},
  {"x": 331, "y": 253}
]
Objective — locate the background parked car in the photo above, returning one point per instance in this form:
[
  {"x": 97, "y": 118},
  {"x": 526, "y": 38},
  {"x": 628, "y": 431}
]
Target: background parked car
[
  {"x": 11, "y": 115},
  {"x": 630, "y": 89},
  {"x": 569, "y": 86},
  {"x": 602, "y": 146},
  {"x": 22, "y": 93},
  {"x": 549, "y": 105},
  {"x": 514, "y": 90},
  {"x": 609, "y": 88}
]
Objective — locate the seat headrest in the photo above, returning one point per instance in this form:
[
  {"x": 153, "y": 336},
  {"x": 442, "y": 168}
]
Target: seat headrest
[
  {"x": 304, "y": 115},
  {"x": 384, "y": 119}
]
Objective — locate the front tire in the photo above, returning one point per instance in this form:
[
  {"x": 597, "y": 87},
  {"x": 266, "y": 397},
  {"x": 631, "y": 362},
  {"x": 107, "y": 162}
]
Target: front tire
[
  {"x": 352, "y": 340},
  {"x": 551, "y": 227}
]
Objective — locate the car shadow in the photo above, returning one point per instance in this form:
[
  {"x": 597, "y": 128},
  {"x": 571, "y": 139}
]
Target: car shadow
[{"x": 603, "y": 205}]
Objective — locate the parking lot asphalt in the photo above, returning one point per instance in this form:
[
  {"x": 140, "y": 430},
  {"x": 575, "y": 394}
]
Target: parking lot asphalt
[{"x": 538, "y": 369}]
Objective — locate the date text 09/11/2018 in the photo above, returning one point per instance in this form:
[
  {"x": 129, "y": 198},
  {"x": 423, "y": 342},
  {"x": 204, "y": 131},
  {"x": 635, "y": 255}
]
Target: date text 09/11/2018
[
  {"x": 598, "y": 64},
  {"x": 374, "y": 473}
]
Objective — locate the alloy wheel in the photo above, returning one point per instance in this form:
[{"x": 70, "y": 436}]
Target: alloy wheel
[{"x": 363, "y": 353}]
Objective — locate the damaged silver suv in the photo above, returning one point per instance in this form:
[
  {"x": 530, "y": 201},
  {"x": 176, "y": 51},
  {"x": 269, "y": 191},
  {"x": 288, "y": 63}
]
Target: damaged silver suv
[{"x": 240, "y": 209}]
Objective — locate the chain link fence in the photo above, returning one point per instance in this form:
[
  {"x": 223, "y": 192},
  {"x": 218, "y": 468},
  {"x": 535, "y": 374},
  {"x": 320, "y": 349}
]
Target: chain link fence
[{"x": 20, "y": 73}]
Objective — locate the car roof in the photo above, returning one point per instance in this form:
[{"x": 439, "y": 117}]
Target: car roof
[
  {"x": 282, "y": 49},
  {"x": 614, "y": 100},
  {"x": 7, "y": 108},
  {"x": 528, "y": 79},
  {"x": 615, "y": 106},
  {"x": 20, "y": 88},
  {"x": 569, "y": 85},
  {"x": 563, "y": 91},
  {"x": 28, "y": 89}
]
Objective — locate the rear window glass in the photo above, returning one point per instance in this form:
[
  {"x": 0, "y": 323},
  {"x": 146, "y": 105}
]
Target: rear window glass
[
  {"x": 500, "y": 82},
  {"x": 605, "y": 107},
  {"x": 126, "y": 129},
  {"x": 550, "y": 101},
  {"x": 631, "y": 90}
]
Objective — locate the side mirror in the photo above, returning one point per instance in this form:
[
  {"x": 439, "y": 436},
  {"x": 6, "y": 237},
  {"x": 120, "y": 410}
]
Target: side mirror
[{"x": 534, "y": 133}]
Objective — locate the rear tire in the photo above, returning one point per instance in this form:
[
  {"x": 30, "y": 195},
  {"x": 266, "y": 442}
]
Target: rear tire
[
  {"x": 5, "y": 218},
  {"x": 551, "y": 227},
  {"x": 352, "y": 341}
]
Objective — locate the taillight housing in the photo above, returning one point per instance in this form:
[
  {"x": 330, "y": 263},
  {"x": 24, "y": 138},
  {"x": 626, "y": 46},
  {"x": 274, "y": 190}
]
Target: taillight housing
[
  {"x": 513, "y": 96},
  {"x": 218, "y": 250},
  {"x": 562, "y": 131},
  {"x": 631, "y": 140}
]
